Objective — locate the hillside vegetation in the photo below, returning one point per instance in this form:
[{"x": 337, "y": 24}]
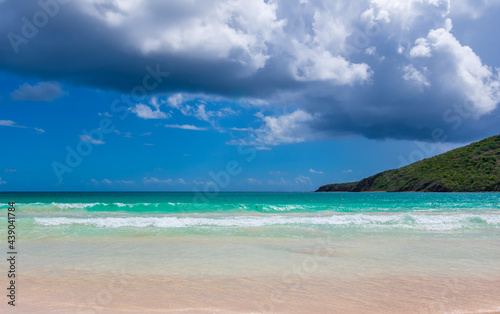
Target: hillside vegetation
[{"x": 473, "y": 168}]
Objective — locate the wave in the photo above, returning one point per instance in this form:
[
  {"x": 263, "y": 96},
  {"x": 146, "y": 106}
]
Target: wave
[
  {"x": 237, "y": 207},
  {"x": 76, "y": 205},
  {"x": 411, "y": 221}
]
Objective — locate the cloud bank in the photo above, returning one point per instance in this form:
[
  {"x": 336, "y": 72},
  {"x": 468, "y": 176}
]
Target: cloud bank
[{"x": 374, "y": 68}]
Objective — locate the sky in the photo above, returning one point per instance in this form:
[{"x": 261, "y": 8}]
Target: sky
[{"x": 238, "y": 95}]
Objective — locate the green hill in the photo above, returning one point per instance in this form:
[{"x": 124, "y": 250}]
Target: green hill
[{"x": 473, "y": 168}]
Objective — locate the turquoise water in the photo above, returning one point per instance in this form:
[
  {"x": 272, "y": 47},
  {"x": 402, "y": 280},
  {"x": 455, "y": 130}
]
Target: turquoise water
[
  {"x": 425, "y": 252},
  {"x": 258, "y": 214},
  {"x": 187, "y": 202}
]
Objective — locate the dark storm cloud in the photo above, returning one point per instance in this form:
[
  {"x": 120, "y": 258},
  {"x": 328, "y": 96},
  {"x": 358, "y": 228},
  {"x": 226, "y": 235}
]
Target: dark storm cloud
[{"x": 323, "y": 58}]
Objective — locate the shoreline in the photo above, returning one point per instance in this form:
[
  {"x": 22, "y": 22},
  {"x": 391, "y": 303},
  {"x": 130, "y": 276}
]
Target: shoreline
[{"x": 107, "y": 293}]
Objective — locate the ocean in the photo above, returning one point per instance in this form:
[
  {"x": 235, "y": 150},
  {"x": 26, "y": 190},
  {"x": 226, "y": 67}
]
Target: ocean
[{"x": 256, "y": 252}]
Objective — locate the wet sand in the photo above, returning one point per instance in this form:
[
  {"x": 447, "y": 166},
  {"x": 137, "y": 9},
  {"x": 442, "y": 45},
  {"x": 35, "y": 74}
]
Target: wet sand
[
  {"x": 389, "y": 294},
  {"x": 231, "y": 274}
]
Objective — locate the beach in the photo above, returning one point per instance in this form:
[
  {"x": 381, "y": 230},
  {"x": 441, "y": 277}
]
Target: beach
[{"x": 302, "y": 253}]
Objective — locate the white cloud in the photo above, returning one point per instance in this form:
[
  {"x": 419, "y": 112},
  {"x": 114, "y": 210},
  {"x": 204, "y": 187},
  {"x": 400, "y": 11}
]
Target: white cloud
[
  {"x": 40, "y": 130},
  {"x": 315, "y": 171},
  {"x": 242, "y": 32},
  {"x": 205, "y": 29},
  {"x": 10, "y": 123},
  {"x": 262, "y": 148},
  {"x": 347, "y": 171},
  {"x": 404, "y": 13},
  {"x": 145, "y": 112},
  {"x": 303, "y": 180},
  {"x": 253, "y": 181},
  {"x": 91, "y": 140},
  {"x": 2, "y": 182},
  {"x": 285, "y": 129},
  {"x": 185, "y": 127},
  {"x": 198, "y": 108},
  {"x": 421, "y": 49},
  {"x": 468, "y": 75},
  {"x": 111, "y": 182},
  {"x": 124, "y": 181},
  {"x": 275, "y": 130},
  {"x": 242, "y": 129},
  {"x": 277, "y": 173},
  {"x": 371, "y": 51},
  {"x": 314, "y": 65},
  {"x": 155, "y": 180},
  {"x": 415, "y": 76},
  {"x": 10, "y": 170},
  {"x": 175, "y": 101}
]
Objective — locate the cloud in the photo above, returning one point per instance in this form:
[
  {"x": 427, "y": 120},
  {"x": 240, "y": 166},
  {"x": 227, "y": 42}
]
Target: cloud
[
  {"x": 10, "y": 170},
  {"x": 2, "y": 182},
  {"x": 284, "y": 129},
  {"x": 155, "y": 180},
  {"x": 347, "y": 171},
  {"x": 91, "y": 140},
  {"x": 281, "y": 181},
  {"x": 253, "y": 181},
  {"x": 477, "y": 82},
  {"x": 199, "y": 107},
  {"x": 315, "y": 171},
  {"x": 373, "y": 68},
  {"x": 43, "y": 91},
  {"x": 242, "y": 129},
  {"x": 111, "y": 182},
  {"x": 415, "y": 76},
  {"x": 145, "y": 111},
  {"x": 303, "y": 180},
  {"x": 124, "y": 181},
  {"x": 185, "y": 127},
  {"x": 421, "y": 49},
  {"x": 10, "y": 123}
]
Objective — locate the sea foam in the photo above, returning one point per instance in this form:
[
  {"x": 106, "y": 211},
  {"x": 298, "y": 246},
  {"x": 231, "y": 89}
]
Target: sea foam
[{"x": 412, "y": 221}]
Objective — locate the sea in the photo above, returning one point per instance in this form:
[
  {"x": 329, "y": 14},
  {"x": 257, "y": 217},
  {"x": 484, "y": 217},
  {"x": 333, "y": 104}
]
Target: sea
[{"x": 252, "y": 252}]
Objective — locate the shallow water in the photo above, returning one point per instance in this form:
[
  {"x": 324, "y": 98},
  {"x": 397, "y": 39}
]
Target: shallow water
[{"x": 257, "y": 252}]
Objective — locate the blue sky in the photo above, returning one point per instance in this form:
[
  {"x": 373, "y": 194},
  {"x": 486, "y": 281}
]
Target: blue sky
[{"x": 238, "y": 95}]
